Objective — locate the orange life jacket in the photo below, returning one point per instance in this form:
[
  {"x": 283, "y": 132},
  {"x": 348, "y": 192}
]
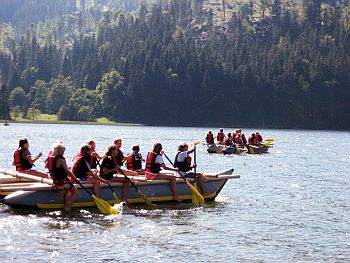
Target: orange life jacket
[
  {"x": 57, "y": 174},
  {"x": 135, "y": 163},
  {"x": 151, "y": 165},
  {"x": 20, "y": 162},
  {"x": 220, "y": 136},
  {"x": 210, "y": 138}
]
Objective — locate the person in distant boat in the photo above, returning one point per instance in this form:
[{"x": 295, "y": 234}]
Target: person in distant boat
[
  {"x": 221, "y": 136},
  {"x": 251, "y": 139},
  {"x": 258, "y": 138},
  {"x": 82, "y": 170},
  {"x": 95, "y": 157},
  {"x": 59, "y": 173},
  {"x": 183, "y": 163},
  {"x": 210, "y": 138},
  {"x": 121, "y": 158},
  {"x": 244, "y": 140},
  {"x": 154, "y": 163},
  {"x": 23, "y": 159},
  {"x": 109, "y": 167},
  {"x": 228, "y": 140},
  {"x": 134, "y": 160}
]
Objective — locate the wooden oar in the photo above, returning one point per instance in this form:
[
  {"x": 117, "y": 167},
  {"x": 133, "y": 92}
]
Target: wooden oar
[
  {"x": 148, "y": 202},
  {"x": 27, "y": 176},
  {"x": 193, "y": 189}
]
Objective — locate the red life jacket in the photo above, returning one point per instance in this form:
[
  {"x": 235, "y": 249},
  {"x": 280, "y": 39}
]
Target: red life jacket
[
  {"x": 151, "y": 165},
  {"x": 228, "y": 141},
  {"x": 50, "y": 166},
  {"x": 57, "y": 174},
  {"x": 210, "y": 138},
  {"x": 135, "y": 163},
  {"x": 20, "y": 162},
  {"x": 184, "y": 166},
  {"x": 79, "y": 167},
  {"x": 220, "y": 136},
  {"x": 251, "y": 140},
  {"x": 258, "y": 138}
]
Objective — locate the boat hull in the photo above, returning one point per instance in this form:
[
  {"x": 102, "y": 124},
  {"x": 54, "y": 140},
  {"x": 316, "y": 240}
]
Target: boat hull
[{"x": 157, "y": 191}]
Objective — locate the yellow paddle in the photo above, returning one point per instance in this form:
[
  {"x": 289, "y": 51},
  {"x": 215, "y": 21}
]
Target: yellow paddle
[
  {"x": 102, "y": 205},
  {"x": 270, "y": 140},
  {"x": 148, "y": 202},
  {"x": 193, "y": 189}
]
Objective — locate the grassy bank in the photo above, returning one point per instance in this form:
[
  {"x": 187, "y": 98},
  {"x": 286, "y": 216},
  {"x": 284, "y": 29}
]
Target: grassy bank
[{"x": 52, "y": 119}]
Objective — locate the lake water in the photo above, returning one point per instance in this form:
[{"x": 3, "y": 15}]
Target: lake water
[{"x": 290, "y": 205}]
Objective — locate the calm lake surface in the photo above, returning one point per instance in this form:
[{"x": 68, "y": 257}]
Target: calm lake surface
[{"x": 290, "y": 205}]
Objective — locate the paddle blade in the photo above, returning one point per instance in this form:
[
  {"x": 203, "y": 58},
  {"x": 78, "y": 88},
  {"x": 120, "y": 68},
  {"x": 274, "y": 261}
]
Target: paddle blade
[
  {"x": 195, "y": 200},
  {"x": 270, "y": 139},
  {"x": 104, "y": 206},
  {"x": 147, "y": 201},
  {"x": 196, "y": 193}
]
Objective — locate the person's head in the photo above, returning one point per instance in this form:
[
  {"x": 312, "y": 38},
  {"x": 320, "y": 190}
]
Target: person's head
[
  {"x": 58, "y": 148},
  {"x": 221, "y": 129},
  {"x": 182, "y": 147},
  {"x": 253, "y": 134},
  {"x": 118, "y": 142},
  {"x": 91, "y": 143},
  {"x": 23, "y": 143},
  {"x": 136, "y": 148},
  {"x": 157, "y": 147},
  {"x": 257, "y": 133},
  {"x": 110, "y": 149},
  {"x": 243, "y": 135},
  {"x": 209, "y": 132},
  {"x": 229, "y": 134},
  {"x": 85, "y": 149}
]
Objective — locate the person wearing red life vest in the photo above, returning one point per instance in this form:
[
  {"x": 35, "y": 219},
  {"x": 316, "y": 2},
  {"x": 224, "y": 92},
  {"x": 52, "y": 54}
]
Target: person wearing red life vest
[
  {"x": 229, "y": 140},
  {"x": 258, "y": 138},
  {"x": 183, "y": 163},
  {"x": 134, "y": 160},
  {"x": 59, "y": 172},
  {"x": 23, "y": 160},
  {"x": 210, "y": 138},
  {"x": 109, "y": 168},
  {"x": 251, "y": 139},
  {"x": 120, "y": 159},
  {"x": 221, "y": 136},
  {"x": 82, "y": 170},
  {"x": 154, "y": 164}
]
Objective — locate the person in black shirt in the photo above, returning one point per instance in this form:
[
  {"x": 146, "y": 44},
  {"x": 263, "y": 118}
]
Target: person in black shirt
[{"x": 109, "y": 168}]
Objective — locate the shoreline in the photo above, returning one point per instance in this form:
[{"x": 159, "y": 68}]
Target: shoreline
[{"x": 9, "y": 122}]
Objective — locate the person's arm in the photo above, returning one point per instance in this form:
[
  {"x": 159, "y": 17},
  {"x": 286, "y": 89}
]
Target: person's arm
[
  {"x": 168, "y": 168},
  {"x": 32, "y": 161}
]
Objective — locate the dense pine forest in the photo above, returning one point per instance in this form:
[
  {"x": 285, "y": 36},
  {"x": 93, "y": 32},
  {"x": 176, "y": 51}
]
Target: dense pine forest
[{"x": 263, "y": 63}]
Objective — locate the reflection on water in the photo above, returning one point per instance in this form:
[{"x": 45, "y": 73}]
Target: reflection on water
[{"x": 292, "y": 204}]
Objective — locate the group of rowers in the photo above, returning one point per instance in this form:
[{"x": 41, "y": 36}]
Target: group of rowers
[
  {"x": 87, "y": 160},
  {"x": 237, "y": 138}
]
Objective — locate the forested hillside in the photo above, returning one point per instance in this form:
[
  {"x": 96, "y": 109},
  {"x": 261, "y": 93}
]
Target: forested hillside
[{"x": 264, "y": 63}]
